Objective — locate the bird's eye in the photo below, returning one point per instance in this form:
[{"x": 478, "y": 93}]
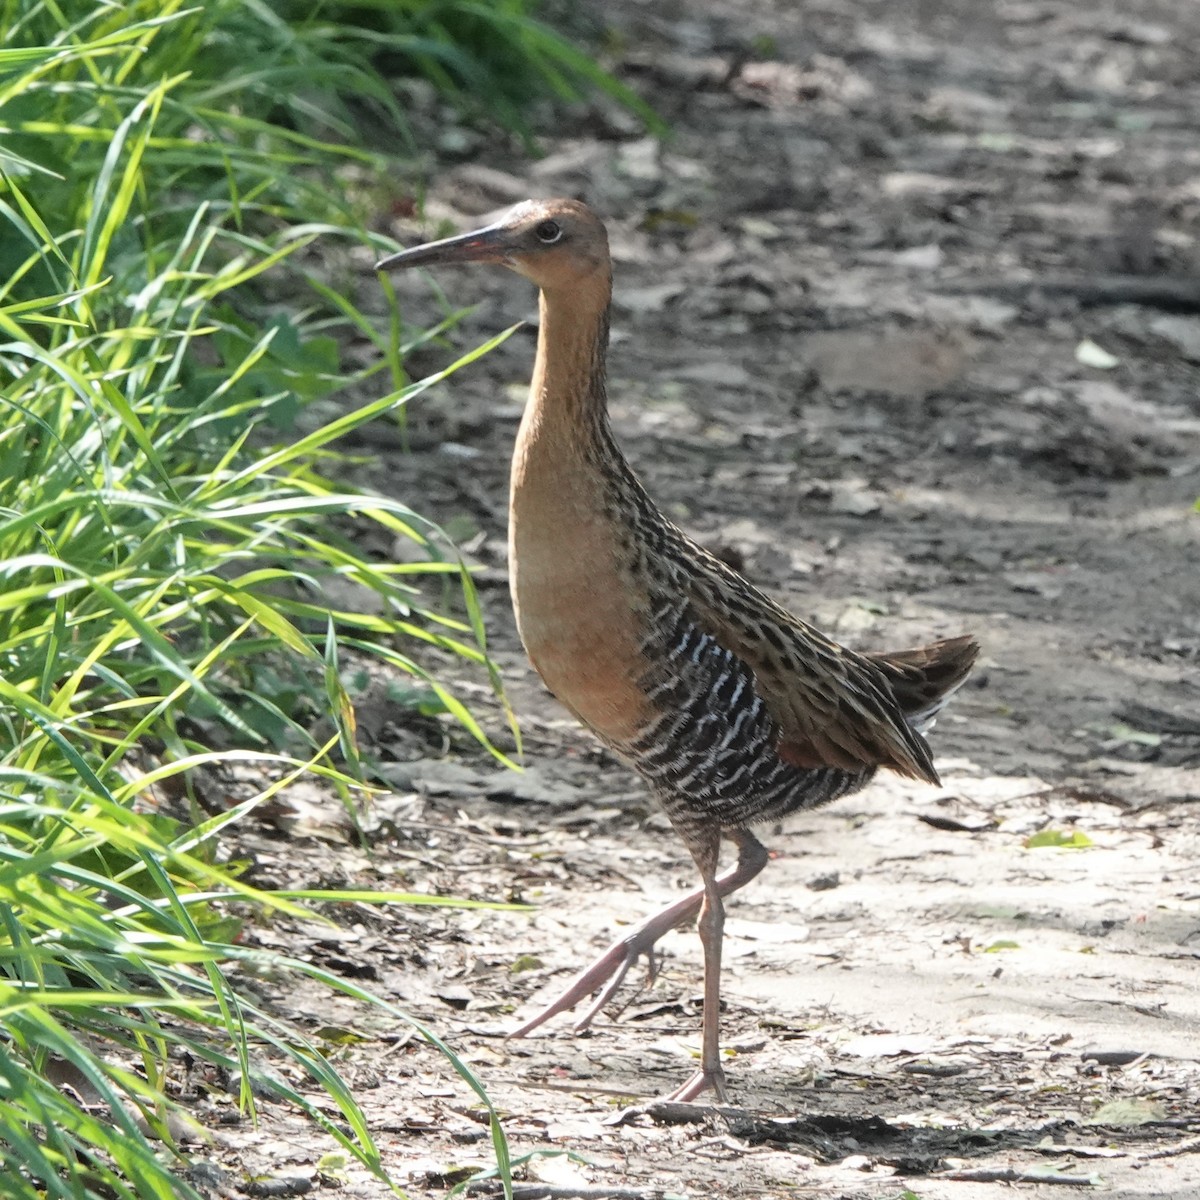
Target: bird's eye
[{"x": 547, "y": 232}]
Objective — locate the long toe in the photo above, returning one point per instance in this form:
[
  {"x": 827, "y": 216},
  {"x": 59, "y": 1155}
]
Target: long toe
[
  {"x": 701, "y": 1082},
  {"x": 605, "y": 974}
]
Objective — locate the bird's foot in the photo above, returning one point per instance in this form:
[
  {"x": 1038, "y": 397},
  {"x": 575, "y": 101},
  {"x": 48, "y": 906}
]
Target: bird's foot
[
  {"x": 707, "y": 1078},
  {"x": 609, "y": 970},
  {"x": 607, "y": 973}
]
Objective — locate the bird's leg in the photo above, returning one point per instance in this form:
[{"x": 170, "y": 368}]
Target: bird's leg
[
  {"x": 608, "y": 971},
  {"x": 712, "y": 934}
]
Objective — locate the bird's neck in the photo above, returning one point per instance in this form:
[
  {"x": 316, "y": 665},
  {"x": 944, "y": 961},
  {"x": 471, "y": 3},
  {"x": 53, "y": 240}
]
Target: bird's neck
[
  {"x": 567, "y": 415},
  {"x": 568, "y": 397}
]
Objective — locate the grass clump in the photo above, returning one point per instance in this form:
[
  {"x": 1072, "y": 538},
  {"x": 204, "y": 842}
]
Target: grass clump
[
  {"x": 172, "y": 528},
  {"x": 495, "y": 60}
]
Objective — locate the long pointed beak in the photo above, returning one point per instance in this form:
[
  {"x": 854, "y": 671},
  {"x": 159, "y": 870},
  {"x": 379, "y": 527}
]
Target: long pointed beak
[{"x": 489, "y": 245}]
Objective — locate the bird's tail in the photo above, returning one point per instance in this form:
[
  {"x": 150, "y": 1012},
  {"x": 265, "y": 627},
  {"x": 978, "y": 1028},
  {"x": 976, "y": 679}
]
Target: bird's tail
[{"x": 923, "y": 679}]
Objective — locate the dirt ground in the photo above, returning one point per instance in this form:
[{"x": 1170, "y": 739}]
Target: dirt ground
[{"x": 906, "y": 323}]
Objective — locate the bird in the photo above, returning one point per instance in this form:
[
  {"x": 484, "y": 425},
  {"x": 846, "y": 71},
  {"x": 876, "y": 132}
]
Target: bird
[{"x": 733, "y": 711}]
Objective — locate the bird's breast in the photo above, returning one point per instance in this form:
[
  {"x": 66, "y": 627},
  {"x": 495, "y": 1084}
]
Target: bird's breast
[{"x": 579, "y": 612}]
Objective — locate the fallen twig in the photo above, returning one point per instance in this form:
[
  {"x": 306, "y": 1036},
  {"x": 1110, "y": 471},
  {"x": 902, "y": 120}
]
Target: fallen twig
[
  {"x": 1012, "y": 1175},
  {"x": 1184, "y": 1147},
  {"x": 1170, "y": 293},
  {"x": 672, "y": 1112},
  {"x": 548, "y": 1191},
  {"x": 475, "y": 835},
  {"x": 1116, "y": 1058}
]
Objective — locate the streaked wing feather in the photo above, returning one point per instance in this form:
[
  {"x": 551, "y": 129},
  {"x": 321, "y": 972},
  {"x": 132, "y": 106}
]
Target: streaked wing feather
[{"x": 834, "y": 708}]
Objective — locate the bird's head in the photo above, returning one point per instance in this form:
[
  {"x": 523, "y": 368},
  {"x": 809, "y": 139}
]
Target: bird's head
[{"x": 554, "y": 243}]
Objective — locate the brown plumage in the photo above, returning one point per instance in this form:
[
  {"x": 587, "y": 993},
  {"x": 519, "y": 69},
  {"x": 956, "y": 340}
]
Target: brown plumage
[{"x": 731, "y": 709}]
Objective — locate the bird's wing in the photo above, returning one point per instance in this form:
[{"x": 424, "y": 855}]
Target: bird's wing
[{"x": 834, "y": 708}]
